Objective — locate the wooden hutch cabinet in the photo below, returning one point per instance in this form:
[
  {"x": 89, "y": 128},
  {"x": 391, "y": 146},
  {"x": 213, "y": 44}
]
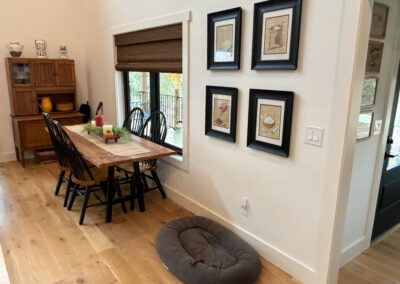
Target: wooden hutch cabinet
[{"x": 29, "y": 81}]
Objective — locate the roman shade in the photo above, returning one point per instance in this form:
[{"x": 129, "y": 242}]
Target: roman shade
[{"x": 152, "y": 50}]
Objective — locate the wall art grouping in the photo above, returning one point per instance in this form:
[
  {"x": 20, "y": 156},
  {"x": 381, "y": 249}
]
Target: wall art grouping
[
  {"x": 269, "y": 118},
  {"x": 276, "y": 34},
  {"x": 370, "y": 88}
]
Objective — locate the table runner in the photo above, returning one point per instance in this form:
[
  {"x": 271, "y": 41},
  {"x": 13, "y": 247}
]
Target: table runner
[{"x": 122, "y": 148}]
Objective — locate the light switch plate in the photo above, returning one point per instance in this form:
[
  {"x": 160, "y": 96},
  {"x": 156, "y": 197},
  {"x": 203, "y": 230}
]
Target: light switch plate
[
  {"x": 378, "y": 127},
  {"x": 314, "y": 135}
]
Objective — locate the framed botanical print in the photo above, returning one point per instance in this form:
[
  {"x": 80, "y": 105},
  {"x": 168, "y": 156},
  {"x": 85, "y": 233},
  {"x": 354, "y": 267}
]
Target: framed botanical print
[
  {"x": 270, "y": 121},
  {"x": 380, "y": 14},
  {"x": 364, "y": 126},
  {"x": 370, "y": 85},
  {"x": 276, "y": 34},
  {"x": 221, "y": 112},
  {"x": 374, "y": 56},
  {"x": 224, "y": 39}
]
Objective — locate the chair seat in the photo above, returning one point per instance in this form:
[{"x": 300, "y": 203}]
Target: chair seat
[
  {"x": 99, "y": 175},
  {"x": 144, "y": 167}
]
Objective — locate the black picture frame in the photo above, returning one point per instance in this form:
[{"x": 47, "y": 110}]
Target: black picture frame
[
  {"x": 285, "y": 130},
  {"x": 209, "y": 129},
  {"x": 258, "y": 25},
  {"x": 212, "y": 19}
]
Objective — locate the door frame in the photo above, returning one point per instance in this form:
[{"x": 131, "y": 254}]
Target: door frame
[
  {"x": 390, "y": 115},
  {"x": 349, "y": 141}
]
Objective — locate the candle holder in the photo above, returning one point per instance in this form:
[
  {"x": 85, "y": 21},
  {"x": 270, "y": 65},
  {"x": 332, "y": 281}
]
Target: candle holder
[{"x": 115, "y": 138}]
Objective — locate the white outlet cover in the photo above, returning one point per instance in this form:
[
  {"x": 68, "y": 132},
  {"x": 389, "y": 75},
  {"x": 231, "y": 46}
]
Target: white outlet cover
[{"x": 378, "y": 126}]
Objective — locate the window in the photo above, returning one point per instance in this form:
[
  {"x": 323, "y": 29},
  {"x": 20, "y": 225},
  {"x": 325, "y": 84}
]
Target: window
[{"x": 156, "y": 91}]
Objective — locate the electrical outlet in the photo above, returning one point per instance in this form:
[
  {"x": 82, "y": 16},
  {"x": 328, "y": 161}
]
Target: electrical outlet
[
  {"x": 378, "y": 127},
  {"x": 245, "y": 206}
]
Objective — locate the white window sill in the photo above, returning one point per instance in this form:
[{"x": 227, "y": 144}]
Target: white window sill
[{"x": 177, "y": 161}]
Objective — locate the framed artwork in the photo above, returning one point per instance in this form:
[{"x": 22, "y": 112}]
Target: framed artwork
[
  {"x": 364, "y": 126},
  {"x": 224, "y": 30},
  {"x": 370, "y": 85},
  {"x": 221, "y": 112},
  {"x": 380, "y": 14},
  {"x": 276, "y": 34},
  {"x": 374, "y": 56},
  {"x": 270, "y": 121}
]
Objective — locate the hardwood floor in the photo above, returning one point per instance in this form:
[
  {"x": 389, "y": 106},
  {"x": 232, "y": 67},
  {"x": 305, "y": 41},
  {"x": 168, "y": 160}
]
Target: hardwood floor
[
  {"x": 43, "y": 243},
  {"x": 379, "y": 264}
]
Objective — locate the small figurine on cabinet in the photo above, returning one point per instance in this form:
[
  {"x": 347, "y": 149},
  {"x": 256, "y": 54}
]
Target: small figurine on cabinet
[
  {"x": 63, "y": 52},
  {"x": 41, "y": 47}
]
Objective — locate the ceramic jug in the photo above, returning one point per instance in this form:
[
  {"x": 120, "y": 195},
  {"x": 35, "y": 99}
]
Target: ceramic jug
[
  {"x": 46, "y": 104},
  {"x": 15, "y": 48}
]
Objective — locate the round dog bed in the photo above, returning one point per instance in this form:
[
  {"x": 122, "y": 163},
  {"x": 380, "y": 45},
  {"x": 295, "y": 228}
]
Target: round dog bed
[{"x": 199, "y": 251}]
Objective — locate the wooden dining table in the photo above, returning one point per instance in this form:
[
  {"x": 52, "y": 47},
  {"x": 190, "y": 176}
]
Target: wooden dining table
[{"x": 101, "y": 158}]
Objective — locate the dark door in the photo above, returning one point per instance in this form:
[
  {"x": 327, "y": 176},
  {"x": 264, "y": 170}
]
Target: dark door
[{"x": 388, "y": 207}]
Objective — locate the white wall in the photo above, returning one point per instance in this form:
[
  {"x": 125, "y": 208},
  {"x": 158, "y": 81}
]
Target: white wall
[
  {"x": 289, "y": 204},
  {"x": 57, "y": 22},
  {"x": 356, "y": 233}
]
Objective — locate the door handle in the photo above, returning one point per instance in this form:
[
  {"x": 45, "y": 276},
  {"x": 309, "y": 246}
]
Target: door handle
[
  {"x": 388, "y": 155},
  {"x": 390, "y": 140}
]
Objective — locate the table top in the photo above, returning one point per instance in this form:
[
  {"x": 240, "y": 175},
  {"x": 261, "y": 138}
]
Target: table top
[{"x": 102, "y": 158}]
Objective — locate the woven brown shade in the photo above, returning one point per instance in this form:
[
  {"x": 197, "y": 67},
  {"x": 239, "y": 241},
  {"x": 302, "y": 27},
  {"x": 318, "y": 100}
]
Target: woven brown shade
[{"x": 152, "y": 50}]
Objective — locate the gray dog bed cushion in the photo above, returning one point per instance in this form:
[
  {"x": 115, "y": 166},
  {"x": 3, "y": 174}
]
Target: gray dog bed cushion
[{"x": 200, "y": 251}]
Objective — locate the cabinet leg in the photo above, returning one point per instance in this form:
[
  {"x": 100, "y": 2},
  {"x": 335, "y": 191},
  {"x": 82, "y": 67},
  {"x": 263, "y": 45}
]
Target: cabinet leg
[{"x": 17, "y": 153}]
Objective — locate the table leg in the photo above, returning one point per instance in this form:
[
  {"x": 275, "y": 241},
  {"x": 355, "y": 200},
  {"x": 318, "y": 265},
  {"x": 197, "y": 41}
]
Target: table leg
[
  {"x": 139, "y": 185},
  {"x": 110, "y": 193}
]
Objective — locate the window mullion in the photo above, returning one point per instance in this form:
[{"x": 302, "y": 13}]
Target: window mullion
[
  {"x": 127, "y": 93},
  {"x": 154, "y": 91}
]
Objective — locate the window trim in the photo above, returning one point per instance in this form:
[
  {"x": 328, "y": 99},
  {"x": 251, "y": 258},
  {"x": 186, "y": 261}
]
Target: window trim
[
  {"x": 184, "y": 17},
  {"x": 154, "y": 100}
]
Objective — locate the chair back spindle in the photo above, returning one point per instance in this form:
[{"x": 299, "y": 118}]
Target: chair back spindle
[
  {"x": 79, "y": 168},
  {"x": 134, "y": 121},
  {"x": 155, "y": 130},
  {"x": 55, "y": 140}
]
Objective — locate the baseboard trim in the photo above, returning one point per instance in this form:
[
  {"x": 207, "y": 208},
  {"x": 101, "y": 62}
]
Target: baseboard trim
[
  {"x": 7, "y": 157},
  {"x": 353, "y": 250},
  {"x": 294, "y": 267}
]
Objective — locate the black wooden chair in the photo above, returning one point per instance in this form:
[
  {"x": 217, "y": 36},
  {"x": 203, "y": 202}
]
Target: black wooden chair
[
  {"x": 134, "y": 121},
  {"x": 92, "y": 180},
  {"x": 154, "y": 130},
  {"x": 61, "y": 159}
]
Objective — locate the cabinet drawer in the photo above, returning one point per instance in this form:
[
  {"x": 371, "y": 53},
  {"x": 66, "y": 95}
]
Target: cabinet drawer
[{"x": 34, "y": 134}]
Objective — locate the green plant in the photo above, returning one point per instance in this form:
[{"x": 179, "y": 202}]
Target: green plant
[
  {"x": 120, "y": 131},
  {"x": 93, "y": 129}
]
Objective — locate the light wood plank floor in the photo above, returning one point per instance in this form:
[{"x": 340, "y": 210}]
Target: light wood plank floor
[
  {"x": 43, "y": 243},
  {"x": 378, "y": 264}
]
